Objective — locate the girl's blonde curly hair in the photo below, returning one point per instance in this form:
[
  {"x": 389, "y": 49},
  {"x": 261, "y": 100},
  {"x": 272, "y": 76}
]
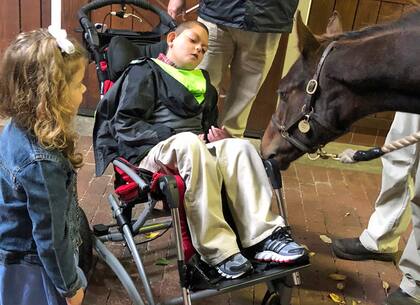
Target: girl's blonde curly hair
[{"x": 34, "y": 90}]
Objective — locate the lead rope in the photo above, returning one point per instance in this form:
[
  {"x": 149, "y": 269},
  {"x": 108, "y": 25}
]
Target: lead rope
[{"x": 353, "y": 156}]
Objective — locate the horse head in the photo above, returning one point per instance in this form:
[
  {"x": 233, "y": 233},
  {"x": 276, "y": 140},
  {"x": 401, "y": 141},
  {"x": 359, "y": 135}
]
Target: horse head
[{"x": 338, "y": 79}]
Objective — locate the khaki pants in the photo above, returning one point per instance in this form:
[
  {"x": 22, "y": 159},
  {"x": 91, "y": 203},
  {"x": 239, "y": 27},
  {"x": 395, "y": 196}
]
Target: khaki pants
[
  {"x": 250, "y": 56},
  {"x": 204, "y": 168},
  {"x": 392, "y": 213},
  {"x": 410, "y": 260},
  {"x": 400, "y": 187}
]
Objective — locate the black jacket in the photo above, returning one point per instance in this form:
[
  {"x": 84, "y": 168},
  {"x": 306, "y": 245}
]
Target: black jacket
[
  {"x": 265, "y": 16},
  {"x": 145, "y": 106}
]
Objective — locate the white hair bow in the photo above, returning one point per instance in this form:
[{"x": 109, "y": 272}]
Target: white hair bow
[{"x": 60, "y": 36}]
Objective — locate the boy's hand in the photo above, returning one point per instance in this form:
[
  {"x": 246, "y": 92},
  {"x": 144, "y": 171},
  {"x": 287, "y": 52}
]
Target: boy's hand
[
  {"x": 77, "y": 298},
  {"x": 202, "y": 137},
  {"x": 216, "y": 134},
  {"x": 176, "y": 7}
]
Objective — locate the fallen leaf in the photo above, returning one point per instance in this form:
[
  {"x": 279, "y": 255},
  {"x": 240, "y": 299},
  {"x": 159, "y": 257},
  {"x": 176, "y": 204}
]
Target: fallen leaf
[
  {"x": 311, "y": 254},
  {"x": 340, "y": 286},
  {"x": 336, "y": 298},
  {"x": 337, "y": 276},
  {"x": 151, "y": 235},
  {"x": 353, "y": 302},
  {"x": 385, "y": 285},
  {"x": 347, "y": 214},
  {"x": 162, "y": 262},
  {"x": 325, "y": 239}
]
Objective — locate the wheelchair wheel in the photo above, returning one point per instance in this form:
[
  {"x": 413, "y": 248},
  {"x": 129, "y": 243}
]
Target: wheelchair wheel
[
  {"x": 279, "y": 292},
  {"x": 85, "y": 249},
  {"x": 271, "y": 298}
]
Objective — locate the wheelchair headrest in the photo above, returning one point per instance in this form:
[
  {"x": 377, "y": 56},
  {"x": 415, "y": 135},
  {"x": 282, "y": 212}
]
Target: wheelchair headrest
[{"x": 122, "y": 51}]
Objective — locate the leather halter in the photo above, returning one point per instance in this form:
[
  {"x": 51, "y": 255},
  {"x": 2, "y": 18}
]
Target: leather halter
[{"x": 308, "y": 110}]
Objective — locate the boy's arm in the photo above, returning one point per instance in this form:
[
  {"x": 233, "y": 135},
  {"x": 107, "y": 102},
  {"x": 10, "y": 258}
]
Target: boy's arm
[
  {"x": 210, "y": 112},
  {"x": 136, "y": 106}
]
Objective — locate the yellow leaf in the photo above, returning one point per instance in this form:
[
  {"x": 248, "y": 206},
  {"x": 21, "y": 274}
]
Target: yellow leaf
[
  {"x": 337, "y": 276},
  {"x": 385, "y": 285},
  {"x": 325, "y": 239},
  {"x": 151, "y": 235},
  {"x": 311, "y": 254},
  {"x": 340, "y": 286},
  {"x": 347, "y": 214},
  {"x": 336, "y": 298}
]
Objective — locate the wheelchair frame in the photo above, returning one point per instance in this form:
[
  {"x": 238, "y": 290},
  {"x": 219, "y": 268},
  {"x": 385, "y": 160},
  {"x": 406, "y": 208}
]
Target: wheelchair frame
[{"x": 279, "y": 280}]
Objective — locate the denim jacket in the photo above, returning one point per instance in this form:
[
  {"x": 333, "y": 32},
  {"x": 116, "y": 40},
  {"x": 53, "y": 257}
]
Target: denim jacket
[{"x": 38, "y": 208}]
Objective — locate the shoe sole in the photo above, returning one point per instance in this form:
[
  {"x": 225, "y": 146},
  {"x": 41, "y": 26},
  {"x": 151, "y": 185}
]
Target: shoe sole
[
  {"x": 386, "y": 257},
  {"x": 230, "y": 276},
  {"x": 270, "y": 256}
]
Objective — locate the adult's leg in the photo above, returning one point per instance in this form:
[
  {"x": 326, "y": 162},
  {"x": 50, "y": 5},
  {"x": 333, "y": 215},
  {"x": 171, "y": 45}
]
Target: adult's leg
[
  {"x": 219, "y": 54},
  {"x": 248, "y": 190},
  {"x": 409, "y": 292},
  {"x": 392, "y": 208},
  {"x": 410, "y": 260},
  {"x": 252, "y": 59},
  {"x": 187, "y": 155}
]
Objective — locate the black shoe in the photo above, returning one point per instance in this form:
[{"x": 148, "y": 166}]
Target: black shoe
[
  {"x": 352, "y": 249},
  {"x": 399, "y": 297},
  {"x": 234, "y": 267}
]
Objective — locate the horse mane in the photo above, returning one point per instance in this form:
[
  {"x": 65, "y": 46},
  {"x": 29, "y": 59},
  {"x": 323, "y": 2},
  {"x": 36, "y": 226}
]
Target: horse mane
[{"x": 408, "y": 20}]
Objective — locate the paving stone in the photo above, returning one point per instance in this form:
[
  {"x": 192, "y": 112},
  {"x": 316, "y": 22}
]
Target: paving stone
[{"x": 318, "y": 200}]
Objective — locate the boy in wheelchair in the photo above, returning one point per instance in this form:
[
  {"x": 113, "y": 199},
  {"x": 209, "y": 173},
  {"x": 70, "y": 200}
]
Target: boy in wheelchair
[{"x": 163, "y": 116}]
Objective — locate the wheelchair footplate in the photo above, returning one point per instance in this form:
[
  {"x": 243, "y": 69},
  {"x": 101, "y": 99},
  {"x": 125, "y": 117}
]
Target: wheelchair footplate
[{"x": 204, "y": 277}]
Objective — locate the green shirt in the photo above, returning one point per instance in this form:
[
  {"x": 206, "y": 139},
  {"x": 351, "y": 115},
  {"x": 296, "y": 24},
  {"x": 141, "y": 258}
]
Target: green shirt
[{"x": 193, "y": 80}]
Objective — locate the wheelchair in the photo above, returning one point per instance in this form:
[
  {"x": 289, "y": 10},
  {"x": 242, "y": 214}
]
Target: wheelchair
[{"x": 112, "y": 50}]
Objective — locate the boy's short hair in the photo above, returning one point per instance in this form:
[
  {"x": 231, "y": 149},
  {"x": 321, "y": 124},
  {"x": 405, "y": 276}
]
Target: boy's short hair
[{"x": 189, "y": 25}]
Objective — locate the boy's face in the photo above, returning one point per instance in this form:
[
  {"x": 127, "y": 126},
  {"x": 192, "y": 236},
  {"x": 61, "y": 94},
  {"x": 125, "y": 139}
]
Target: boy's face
[{"x": 187, "y": 49}]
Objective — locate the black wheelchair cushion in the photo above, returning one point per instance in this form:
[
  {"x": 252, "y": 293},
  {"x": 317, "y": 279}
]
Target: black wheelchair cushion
[{"x": 121, "y": 51}]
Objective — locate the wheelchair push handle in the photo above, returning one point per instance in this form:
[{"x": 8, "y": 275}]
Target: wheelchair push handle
[
  {"x": 164, "y": 17},
  {"x": 166, "y": 22}
]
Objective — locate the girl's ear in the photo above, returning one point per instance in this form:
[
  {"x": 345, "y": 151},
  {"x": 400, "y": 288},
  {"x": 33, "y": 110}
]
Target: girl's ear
[{"x": 170, "y": 38}]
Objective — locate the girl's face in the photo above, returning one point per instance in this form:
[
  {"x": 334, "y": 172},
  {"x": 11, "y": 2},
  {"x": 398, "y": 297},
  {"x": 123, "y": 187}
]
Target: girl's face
[{"x": 76, "y": 86}]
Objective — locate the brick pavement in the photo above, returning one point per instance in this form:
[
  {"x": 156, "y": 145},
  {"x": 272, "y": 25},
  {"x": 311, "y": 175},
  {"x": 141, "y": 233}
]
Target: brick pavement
[
  {"x": 318, "y": 199},
  {"x": 330, "y": 201}
]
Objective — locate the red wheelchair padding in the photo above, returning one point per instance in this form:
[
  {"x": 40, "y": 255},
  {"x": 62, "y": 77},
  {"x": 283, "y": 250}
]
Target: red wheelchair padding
[
  {"x": 186, "y": 238},
  {"x": 129, "y": 191}
]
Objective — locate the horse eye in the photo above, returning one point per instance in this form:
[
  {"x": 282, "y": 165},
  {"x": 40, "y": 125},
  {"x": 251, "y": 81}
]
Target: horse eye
[{"x": 283, "y": 95}]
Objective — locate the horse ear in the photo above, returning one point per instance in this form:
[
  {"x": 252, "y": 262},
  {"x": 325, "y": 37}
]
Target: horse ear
[
  {"x": 334, "y": 26},
  {"x": 307, "y": 42}
]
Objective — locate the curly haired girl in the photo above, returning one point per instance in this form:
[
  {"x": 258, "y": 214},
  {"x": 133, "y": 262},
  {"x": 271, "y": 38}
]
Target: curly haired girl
[{"x": 40, "y": 90}]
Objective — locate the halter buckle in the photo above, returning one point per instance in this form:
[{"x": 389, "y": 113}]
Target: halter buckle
[{"x": 311, "y": 86}]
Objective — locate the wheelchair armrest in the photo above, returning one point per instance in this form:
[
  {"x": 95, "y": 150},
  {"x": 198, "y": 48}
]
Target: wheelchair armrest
[
  {"x": 169, "y": 188},
  {"x": 273, "y": 173},
  {"x": 143, "y": 185}
]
